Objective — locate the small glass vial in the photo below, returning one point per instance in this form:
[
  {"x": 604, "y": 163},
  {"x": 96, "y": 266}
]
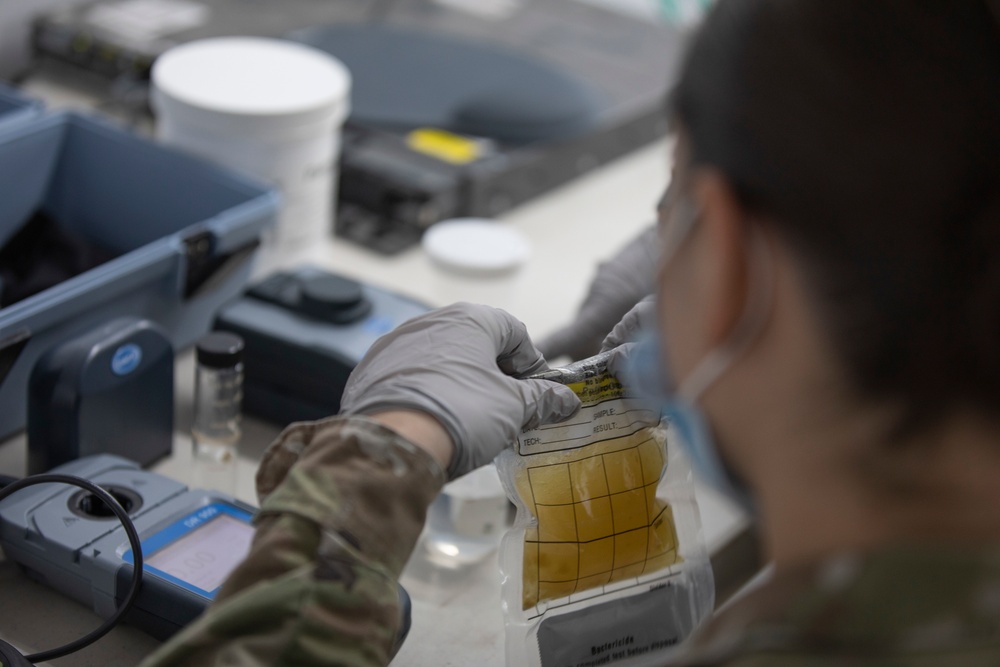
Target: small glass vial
[{"x": 218, "y": 398}]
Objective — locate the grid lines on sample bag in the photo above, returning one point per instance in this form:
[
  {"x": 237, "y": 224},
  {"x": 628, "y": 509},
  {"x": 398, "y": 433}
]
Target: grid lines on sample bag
[{"x": 598, "y": 520}]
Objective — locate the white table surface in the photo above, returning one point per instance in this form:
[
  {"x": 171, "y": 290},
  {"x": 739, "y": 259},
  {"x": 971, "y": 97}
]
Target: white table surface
[{"x": 457, "y": 618}]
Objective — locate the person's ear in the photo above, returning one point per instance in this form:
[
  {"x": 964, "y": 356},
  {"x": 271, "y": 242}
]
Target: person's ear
[{"x": 723, "y": 255}]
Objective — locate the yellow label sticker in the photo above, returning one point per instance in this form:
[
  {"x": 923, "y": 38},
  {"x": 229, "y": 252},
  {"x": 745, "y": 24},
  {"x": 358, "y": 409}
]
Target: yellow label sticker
[
  {"x": 597, "y": 389},
  {"x": 443, "y": 145}
]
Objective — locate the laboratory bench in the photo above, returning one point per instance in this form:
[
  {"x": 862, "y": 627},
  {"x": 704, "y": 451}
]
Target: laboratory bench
[{"x": 457, "y": 618}]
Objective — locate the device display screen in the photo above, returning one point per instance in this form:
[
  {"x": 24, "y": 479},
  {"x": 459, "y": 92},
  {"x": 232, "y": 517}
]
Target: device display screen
[{"x": 205, "y": 556}]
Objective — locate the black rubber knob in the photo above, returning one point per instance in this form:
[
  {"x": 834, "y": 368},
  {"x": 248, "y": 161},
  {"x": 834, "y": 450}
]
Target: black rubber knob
[{"x": 333, "y": 298}]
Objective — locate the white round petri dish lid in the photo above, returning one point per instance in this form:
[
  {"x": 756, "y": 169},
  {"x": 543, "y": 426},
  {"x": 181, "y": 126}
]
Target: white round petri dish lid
[{"x": 476, "y": 246}]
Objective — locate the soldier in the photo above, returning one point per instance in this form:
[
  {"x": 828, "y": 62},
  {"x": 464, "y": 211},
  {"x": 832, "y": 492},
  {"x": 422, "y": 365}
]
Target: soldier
[{"x": 828, "y": 318}]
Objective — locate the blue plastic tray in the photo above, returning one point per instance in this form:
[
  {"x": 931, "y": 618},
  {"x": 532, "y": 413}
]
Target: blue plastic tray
[
  {"x": 16, "y": 107},
  {"x": 185, "y": 229}
]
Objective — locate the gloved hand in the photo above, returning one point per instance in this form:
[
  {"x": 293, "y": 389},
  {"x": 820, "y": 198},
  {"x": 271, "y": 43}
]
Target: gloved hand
[
  {"x": 619, "y": 284},
  {"x": 460, "y": 364},
  {"x": 623, "y": 342},
  {"x": 641, "y": 318}
]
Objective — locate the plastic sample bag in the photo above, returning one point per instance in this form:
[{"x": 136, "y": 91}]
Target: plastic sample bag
[{"x": 605, "y": 563}]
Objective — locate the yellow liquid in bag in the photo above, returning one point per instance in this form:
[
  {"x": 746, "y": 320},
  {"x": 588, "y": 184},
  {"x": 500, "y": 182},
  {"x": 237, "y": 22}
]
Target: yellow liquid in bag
[{"x": 597, "y": 518}]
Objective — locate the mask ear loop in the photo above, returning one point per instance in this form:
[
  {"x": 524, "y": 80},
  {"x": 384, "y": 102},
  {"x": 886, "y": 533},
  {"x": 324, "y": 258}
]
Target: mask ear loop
[{"x": 755, "y": 316}]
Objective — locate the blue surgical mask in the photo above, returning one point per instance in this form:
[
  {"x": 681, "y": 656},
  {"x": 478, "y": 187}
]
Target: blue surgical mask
[
  {"x": 686, "y": 419},
  {"x": 648, "y": 371}
]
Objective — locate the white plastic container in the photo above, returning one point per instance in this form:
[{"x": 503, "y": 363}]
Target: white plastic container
[
  {"x": 467, "y": 520},
  {"x": 270, "y": 108}
]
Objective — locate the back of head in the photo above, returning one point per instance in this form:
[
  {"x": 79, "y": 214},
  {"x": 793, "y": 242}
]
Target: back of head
[{"x": 868, "y": 133}]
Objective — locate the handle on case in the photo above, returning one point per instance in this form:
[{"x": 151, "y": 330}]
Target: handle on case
[
  {"x": 206, "y": 266},
  {"x": 10, "y": 349}
]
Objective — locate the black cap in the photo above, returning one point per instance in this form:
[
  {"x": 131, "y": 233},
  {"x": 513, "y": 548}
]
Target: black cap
[{"x": 220, "y": 349}]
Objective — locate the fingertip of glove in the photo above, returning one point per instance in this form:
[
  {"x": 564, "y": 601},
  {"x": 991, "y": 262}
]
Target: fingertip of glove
[
  {"x": 618, "y": 336},
  {"x": 618, "y": 361},
  {"x": 561, "y": 402}
]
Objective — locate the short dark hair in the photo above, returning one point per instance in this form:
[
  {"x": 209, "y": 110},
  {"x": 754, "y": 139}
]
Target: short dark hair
[{"x": 867, "y": 132}]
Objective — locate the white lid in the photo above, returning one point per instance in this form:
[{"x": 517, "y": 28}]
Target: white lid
[
  {"x": 251, "y": 77},
  {"x": 474, "y": 245}
]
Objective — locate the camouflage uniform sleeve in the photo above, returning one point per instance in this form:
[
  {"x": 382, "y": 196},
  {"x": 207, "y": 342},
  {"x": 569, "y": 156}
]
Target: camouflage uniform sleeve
[{"x": 342, "y": 504}]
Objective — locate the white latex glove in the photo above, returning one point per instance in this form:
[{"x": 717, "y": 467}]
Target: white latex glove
[
  {"x": 461, "y": 365},
  {"x": 620, "y": 282},
  {"x": 639, "y": 319},
  {"x": 622, "y": 340}
]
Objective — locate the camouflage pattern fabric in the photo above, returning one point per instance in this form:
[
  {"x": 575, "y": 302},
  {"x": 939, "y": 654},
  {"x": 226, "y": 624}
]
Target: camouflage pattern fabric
[
  {"x": 342, "y": 504},
  {"x": 916, "y": 606}
]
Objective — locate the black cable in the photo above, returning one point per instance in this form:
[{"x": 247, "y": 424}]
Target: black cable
[
  {"x": 7, "y": 480},
  {"x": 133, "y": 540}
]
